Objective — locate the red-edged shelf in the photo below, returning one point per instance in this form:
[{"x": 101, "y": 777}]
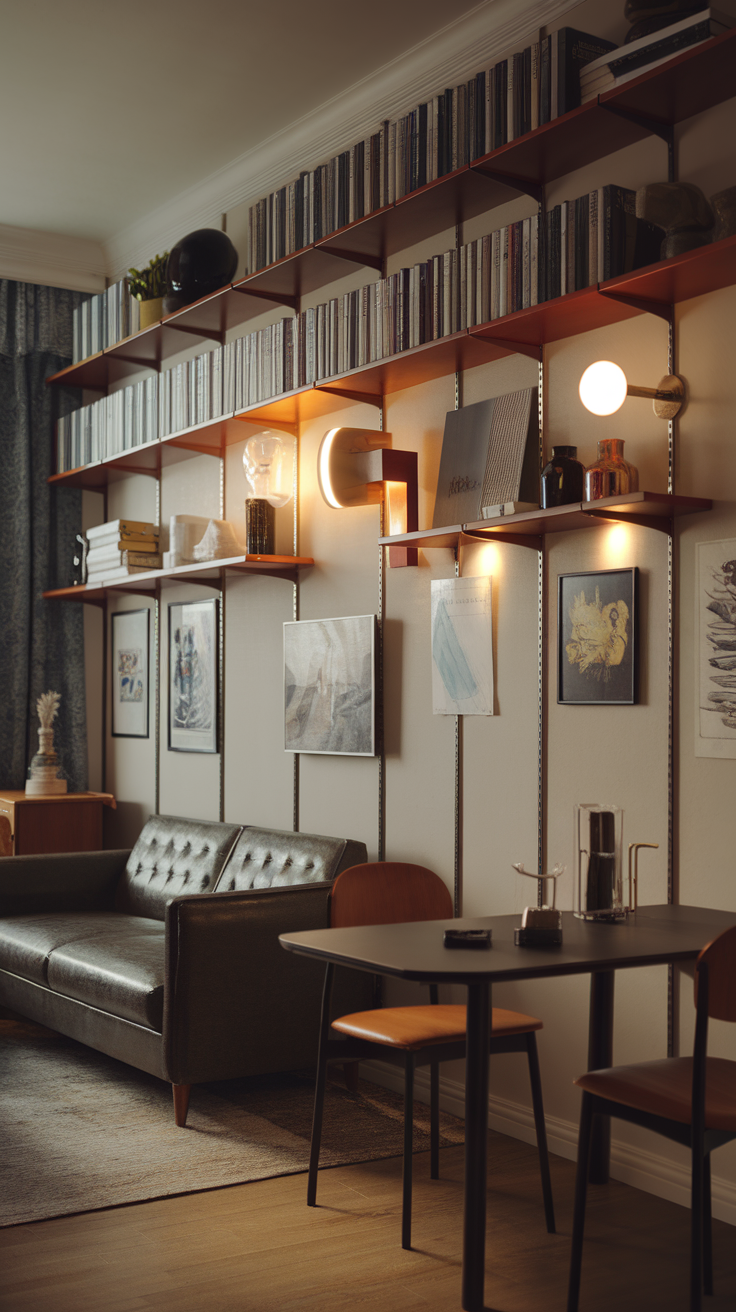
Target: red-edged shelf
[
  {"x": 651, "y": 509},
  {"x": 210, "y": 572}
]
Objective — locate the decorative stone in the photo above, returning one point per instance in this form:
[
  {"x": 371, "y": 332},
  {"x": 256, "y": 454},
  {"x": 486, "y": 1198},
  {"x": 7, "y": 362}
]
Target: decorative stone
[
  {"x": 724, "y": 209},
  {"x": 218, "y": 542},
  {"x": 681, "y": 210}
]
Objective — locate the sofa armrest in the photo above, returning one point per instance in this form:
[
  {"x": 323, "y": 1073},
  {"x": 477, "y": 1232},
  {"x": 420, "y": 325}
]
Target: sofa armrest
[
  {"x": 234, "y": 1002},
  {"x": 67, "y": 881}
]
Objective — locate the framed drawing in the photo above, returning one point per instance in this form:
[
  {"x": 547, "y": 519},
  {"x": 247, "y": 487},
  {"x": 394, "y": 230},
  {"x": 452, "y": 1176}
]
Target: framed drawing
[
  {"x": 129, "y": 683},
  {"x": 715, "y": 718},
  {"x": 193, "y": 676},
  {"x": 462, "y": 647},
  {"x": 597, "y": 637},
  {"x": 330, "y": 686}
]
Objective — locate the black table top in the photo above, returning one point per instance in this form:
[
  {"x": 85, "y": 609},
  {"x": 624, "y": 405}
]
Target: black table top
[{"x": 650, "y": 936}]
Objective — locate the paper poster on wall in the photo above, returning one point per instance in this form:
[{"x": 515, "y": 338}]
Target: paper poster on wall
[
  {"x": 715, "y": 599},
  {"x": 462, "y": 647},
  {"x": 330, "y": 686}
]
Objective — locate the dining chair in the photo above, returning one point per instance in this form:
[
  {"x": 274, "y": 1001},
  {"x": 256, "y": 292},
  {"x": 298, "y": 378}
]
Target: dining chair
[
  {"x": 691, "y": 1100},
  {"x": 394, "y": 892}
]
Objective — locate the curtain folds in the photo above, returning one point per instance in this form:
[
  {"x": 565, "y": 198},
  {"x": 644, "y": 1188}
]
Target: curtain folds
[{"x": 41, "y": 642}]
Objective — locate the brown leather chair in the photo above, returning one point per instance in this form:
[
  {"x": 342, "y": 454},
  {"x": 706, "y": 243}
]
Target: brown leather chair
[
  {"x": 392, "y": 892},
  {"x": 691, "y": 1100}
]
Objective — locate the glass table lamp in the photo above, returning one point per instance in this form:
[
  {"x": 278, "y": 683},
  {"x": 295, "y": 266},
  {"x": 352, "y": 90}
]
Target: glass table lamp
[{"x": 269, "y": 462}]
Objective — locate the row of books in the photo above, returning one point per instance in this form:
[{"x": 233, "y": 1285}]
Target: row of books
[
  {"x": 458, "y": 125},
  {"x": 590, "y": 239},
  {"x": 103, "y": 320}
]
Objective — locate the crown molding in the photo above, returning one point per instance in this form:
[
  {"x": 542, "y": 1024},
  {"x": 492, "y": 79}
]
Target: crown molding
[
  {"x": 51, "y": 259},
  {"x": 492, "y": 29}
]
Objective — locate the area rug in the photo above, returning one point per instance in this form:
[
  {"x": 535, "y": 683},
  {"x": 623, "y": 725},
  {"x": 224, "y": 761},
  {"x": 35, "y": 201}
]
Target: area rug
[{"x": 80, "y": 1131}]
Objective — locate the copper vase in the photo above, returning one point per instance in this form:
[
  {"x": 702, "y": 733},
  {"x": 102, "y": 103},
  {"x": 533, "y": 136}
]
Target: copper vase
[{"x": 611, "y": 475}]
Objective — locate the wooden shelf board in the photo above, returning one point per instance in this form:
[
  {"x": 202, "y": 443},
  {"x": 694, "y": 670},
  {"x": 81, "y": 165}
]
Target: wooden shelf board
[
  {"x": 139, "y": 460},
  {"x": 694, "y": 273},
  {"x": 693, "y": 81},
  {"x": 560, "y": 519},
  {"x": 420, "y": 364},
  {"x": 564, "y": 316},
  {"x": 205, "y": 572}
]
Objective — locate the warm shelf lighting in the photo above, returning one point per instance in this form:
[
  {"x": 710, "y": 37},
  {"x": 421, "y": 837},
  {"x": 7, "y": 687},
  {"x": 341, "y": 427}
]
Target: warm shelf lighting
[
  {"x": 604, "y": 388},
  {"x": 358, "y": 467}
]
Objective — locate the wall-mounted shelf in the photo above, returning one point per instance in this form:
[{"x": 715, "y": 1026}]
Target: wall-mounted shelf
[
  {"x": 694, "y": 81},
  {"x": 210, "y": 572},
  {"x": 651, "y": 509}
]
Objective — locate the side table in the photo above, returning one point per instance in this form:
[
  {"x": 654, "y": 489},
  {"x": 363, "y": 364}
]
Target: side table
[{"x": 62, "y": 822}]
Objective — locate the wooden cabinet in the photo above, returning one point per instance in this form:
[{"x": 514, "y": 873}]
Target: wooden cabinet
[{"x": 71, "y": 822}]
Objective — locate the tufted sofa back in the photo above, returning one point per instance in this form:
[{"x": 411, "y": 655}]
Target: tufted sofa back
[
  {"x": 272, "y": 858},
  {"x": 173, "y": 856}
]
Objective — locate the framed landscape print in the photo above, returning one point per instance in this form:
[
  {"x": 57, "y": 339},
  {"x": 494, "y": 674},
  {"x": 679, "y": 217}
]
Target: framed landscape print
[
  {"x": 597, "y": 637},
  {"x": 193, "y": 676},
  {"x": 330, "y": 686},
  {"x": 129, "y": 683}
]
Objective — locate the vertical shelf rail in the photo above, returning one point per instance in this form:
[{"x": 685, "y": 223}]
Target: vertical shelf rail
[
  {"x": 295, "y": 616},
  {"x": 379, "y": 670},
  {"x": 541, "y": 659},
  {"x": 458, "y": 788},
  {"x": 157, "y": 663},
  {"x": 221, "y": 653}
]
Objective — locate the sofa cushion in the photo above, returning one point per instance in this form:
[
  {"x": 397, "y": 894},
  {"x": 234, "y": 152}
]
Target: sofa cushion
[
  {"x": 272, "y": 858},
  {"x": 121, "y": 973},
  {"x": 26, "y": 942},
  {"x": 173, "y": 857}
]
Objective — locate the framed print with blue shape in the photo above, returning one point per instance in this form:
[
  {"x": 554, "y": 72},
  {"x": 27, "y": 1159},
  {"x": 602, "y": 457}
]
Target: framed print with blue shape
[
  {"x": 129, "y": 683},
  {"x": 193, "y": 670}
]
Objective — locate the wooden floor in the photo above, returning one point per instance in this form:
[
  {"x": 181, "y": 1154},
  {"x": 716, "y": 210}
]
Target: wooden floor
[{"x": 258, "y": 1248}]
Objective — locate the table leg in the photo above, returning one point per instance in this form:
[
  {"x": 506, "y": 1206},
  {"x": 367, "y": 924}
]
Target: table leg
[
  {"x": 476, "y": 1144},
  {"x": 600, "y": 1056}
]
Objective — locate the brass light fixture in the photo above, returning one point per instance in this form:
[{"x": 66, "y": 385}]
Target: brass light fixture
[
  {"x": 358, "y": 467},
  {"x": 604, "y": 388}
]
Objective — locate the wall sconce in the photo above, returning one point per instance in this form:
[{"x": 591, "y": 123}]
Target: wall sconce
[
  {"x": 357, "y": 467},
  {"x": 604, "y": 388},
  {"x": 268, "y": 461}
]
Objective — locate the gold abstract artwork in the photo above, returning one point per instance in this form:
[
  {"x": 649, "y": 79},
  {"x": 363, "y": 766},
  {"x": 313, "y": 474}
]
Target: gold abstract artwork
[{"x": 599, "y": 635}]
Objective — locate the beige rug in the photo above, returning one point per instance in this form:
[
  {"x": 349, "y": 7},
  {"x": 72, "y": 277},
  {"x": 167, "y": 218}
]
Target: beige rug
[{"x": 80, "y": 1131}]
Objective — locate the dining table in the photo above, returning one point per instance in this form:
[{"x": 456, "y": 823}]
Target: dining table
[{"x": 649, "y": 936}]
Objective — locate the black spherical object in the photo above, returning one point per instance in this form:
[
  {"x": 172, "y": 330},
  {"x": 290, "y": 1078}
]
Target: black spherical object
[{"x": 199, "y": 264}]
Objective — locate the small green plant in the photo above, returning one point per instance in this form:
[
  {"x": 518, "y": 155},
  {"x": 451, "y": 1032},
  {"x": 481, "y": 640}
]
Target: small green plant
[{"x": 149, "y": 283}]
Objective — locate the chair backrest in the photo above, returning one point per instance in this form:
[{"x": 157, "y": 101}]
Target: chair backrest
[
  {"x": 6, "y": 837},
  {"x": 388, "y": 893},
  {"x": 720, "y": 958}
]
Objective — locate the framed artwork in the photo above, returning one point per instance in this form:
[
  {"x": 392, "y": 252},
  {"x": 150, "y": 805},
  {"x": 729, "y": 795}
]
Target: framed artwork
[
  {"x": 330, "y": 686},
  {"x": 193, "y": 676},
  {"x": 597, "y": 638},
  {"x": 129, "y": 683},
  {"x": 462, "y": 647},
  {"x": 715, "y": 599}
]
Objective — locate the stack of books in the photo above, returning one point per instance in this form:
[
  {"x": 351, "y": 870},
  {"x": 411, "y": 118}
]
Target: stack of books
[
  {"x": 119, "y": 548},
  {"x": 615, "y": 67},
  {"x": 460, "y": 124},
  {"x": 103, "y": 320}
]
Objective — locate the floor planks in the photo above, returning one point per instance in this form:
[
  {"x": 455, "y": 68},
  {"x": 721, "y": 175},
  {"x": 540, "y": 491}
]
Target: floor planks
[{"x": 258, "y": 1248}]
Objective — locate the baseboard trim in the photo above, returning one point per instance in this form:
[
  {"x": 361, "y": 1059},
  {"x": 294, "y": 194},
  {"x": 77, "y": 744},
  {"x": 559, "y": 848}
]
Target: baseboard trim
[{"x": 648, "y": 1171}]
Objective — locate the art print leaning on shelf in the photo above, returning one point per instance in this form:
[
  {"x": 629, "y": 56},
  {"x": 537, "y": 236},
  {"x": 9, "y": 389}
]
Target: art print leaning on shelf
[
  {"x": 597, "y": 638},
  {"x": 490, "y": 457},
  {"x": 193, "y": 676},
  {"x": 330, "y": 686},
  {"x": 715, "y": 719},
  {"x": 130, "y": 642},
  {"x": 462, "y": 647}
]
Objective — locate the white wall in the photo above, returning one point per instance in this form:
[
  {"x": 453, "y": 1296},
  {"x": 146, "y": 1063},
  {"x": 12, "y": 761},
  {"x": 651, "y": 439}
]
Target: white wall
[{"x": 617, "y": 753}]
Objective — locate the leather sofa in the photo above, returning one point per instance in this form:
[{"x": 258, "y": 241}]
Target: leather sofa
[{"x": 167, "y": 956}]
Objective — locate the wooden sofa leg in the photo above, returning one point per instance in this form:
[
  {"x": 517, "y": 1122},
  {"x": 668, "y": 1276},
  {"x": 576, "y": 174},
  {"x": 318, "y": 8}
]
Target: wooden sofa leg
[{"x": 181, "y": 1102}]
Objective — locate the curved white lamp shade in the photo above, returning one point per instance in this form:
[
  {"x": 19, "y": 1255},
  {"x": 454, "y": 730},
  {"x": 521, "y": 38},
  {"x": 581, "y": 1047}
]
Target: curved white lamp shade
[
  {"x": 268, "y": 461},
  {"x": 603, "y": 388}
]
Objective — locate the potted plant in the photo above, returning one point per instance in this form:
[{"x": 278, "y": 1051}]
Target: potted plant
[{"x": 148, "y": 286}]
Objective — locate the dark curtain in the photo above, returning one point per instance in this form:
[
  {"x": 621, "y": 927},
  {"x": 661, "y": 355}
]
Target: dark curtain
[{"x": 41, "y": 642}]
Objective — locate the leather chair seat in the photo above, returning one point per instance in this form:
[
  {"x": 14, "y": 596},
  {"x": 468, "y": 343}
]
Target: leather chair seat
[
  {"x": 664, "y": 1088},
  {"x": 105, "y": 959},
  {"x": 413, "y": 1027}
]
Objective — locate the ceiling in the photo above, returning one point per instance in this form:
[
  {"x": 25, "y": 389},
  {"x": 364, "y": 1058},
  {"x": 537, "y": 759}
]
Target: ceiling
[{"x": 111, "y": 110}]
